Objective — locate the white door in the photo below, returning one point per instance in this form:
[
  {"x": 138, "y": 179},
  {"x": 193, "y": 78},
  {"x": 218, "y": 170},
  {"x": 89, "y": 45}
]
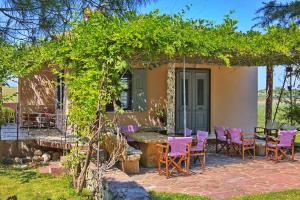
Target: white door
[
  {"x": 180, "y": 103},
  {"x": 197, "y": 100},
  {"x": 201, "y": 101}
]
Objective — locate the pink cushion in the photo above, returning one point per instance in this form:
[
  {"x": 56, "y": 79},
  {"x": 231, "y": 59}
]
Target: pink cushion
[
  {"x": 220, "y": 132},
  {"x": 222, "y": 138},
  {"x": 175, "y": 154},
  {"x": 279, "y": 145}
]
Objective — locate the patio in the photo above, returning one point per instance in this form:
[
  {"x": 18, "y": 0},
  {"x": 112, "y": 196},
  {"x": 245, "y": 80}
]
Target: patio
[{"x": 225, "y": 177}]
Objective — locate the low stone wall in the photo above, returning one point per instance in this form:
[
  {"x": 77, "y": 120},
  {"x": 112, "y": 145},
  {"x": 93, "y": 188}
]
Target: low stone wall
[
  {"x": 21, "y": 148},
  {"x": 116, "y": 185}
]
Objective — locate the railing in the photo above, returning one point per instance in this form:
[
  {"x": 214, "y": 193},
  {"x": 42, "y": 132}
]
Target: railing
[{"x": 26, "y": 122}]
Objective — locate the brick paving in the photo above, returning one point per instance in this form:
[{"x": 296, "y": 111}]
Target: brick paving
[{"x": 226, "y": 176}]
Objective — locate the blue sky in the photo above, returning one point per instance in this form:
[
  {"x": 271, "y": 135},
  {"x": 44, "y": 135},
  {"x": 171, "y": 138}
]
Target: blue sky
[{"x": 215, "y": 10}]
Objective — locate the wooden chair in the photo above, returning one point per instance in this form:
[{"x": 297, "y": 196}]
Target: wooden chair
[
  {"x": 187, "y": 132},
  {"x": 281, "y": 145},
  {"x": 11, "y": 117},
  {"x": 173, "y": 154},
  {"x": 240, "y": 143},
  {"x": 221, "y": 139},
  {"x": 200, "y": 150},
  {"x": 129, "y": 129},
  {"x": 271, "y": 129}
]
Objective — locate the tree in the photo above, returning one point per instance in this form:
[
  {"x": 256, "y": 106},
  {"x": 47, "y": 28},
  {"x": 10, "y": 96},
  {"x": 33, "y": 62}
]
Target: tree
[
  {"x": 278, "y": 13},
  {"x": 282, "y": 15},
  {"x": 30, "y": 20},
  {"x": 6, "y": 70}
]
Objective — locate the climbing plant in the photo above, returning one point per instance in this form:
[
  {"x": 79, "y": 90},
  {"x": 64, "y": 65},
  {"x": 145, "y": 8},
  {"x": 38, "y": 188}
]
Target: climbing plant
[{"x": 96, "y": 53}]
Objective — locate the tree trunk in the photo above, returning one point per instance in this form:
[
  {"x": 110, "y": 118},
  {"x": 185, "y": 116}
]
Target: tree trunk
[
  {"x": 1, "y": 107},
  {"x": 1, "y": 103},
  {"x": 81, "y": 177},
  {"x": 269, "y": 93}
]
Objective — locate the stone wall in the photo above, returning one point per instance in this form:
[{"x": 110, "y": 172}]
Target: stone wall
[
  {"x": 17, "y": 148},
  {"x": 116, "y": 185},
  {"x": 171, "y": 98}
]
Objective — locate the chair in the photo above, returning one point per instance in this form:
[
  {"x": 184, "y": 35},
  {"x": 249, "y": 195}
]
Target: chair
[
  {"x": 129, "y": 129},
  {"x": 200, "y": 149},
  {"x": 11, "y": 118},
  {"x": 271, "y": 128},
  {"x": 221, "y": 139},
  {"x": 281, "y": 145},
  {"x": 240, "y": 143},
  {"x": 187, "y": 132},
  {"x": 176, "y": 151}
]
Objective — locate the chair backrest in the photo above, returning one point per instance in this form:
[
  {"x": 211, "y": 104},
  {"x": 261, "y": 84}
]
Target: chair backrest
[
  {"x": 129, "y": 128},
  {"x": 286, "y": 138},
  {"x": 187, "y": 132},
  {"x": 201, "y": 138},
  {"x": 178, "y": 145},
  {"x": 219, "y": 131},
  {"x": 235, "y": 134},
  {"x": 288, "y": 127},
  {"x": 272, "y": 124}
]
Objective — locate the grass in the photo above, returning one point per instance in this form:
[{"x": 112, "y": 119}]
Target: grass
[
  {"x": 261, "y": 114},
  {"x": 174, "y": 196},
  {"x": 11, "y": 94},
  {"x": 286, "y": 195},
  {"x": 29, "y": 184}
]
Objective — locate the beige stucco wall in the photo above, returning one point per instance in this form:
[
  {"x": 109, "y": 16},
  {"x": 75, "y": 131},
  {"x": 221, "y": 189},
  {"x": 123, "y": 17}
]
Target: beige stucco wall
[
  {"x": 156, "y": 96},
  {"x": 233, "y": 96},
  {"x": 37, "y": 92}
]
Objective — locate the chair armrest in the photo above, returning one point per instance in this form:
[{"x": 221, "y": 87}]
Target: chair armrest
[
  {"x": 272, "y": 140},
  {"x": 248, "y": 135},
  {"x": 256, "y": 129},
  {"x": 161, "y": 148}
]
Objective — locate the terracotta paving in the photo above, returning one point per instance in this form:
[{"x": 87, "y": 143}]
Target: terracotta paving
[{"x": 225, "y": 177}]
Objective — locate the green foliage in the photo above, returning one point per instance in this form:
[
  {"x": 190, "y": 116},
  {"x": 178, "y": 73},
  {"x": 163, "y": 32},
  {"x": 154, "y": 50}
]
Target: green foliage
[
  {"x": 286, "y": 195},
  {"x": 98, "y": 51},
  {"x": 161, "y": 114},
  {"x": 74, "y": 158},
  {"x": 174, "y": 196}
]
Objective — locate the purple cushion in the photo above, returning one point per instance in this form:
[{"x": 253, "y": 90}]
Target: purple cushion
[
  {"x": 175, "y": 154},
  {"x": 197, "y": 148}
]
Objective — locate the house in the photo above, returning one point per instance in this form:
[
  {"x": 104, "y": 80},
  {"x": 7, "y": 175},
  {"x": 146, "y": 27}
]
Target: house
[{"x": 215, "y": 95}]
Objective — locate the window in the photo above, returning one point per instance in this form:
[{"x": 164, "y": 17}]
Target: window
[
  {"x": 125, "y": 100},
  {"x": 200, "y": 92},
  {"x": 186, "y": 92}
]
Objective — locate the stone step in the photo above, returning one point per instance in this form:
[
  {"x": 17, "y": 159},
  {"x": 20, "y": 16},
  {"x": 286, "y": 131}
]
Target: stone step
[{"x": 54, "y": 168}]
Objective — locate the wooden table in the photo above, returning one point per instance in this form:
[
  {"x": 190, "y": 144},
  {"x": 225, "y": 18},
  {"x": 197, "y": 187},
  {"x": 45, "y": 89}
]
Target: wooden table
[{"x": 147, "y": 143}]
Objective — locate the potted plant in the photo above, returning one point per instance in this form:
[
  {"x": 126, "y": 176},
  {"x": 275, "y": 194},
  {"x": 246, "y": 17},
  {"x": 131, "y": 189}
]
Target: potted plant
[{"x": 161, "y": 115}]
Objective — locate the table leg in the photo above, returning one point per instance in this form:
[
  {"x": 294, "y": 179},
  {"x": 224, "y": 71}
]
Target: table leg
[{"x": 149, "y": 154}]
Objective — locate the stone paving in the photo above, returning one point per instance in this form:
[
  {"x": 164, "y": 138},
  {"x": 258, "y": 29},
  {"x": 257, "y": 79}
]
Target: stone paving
[{"x": 226, "y": 176}]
